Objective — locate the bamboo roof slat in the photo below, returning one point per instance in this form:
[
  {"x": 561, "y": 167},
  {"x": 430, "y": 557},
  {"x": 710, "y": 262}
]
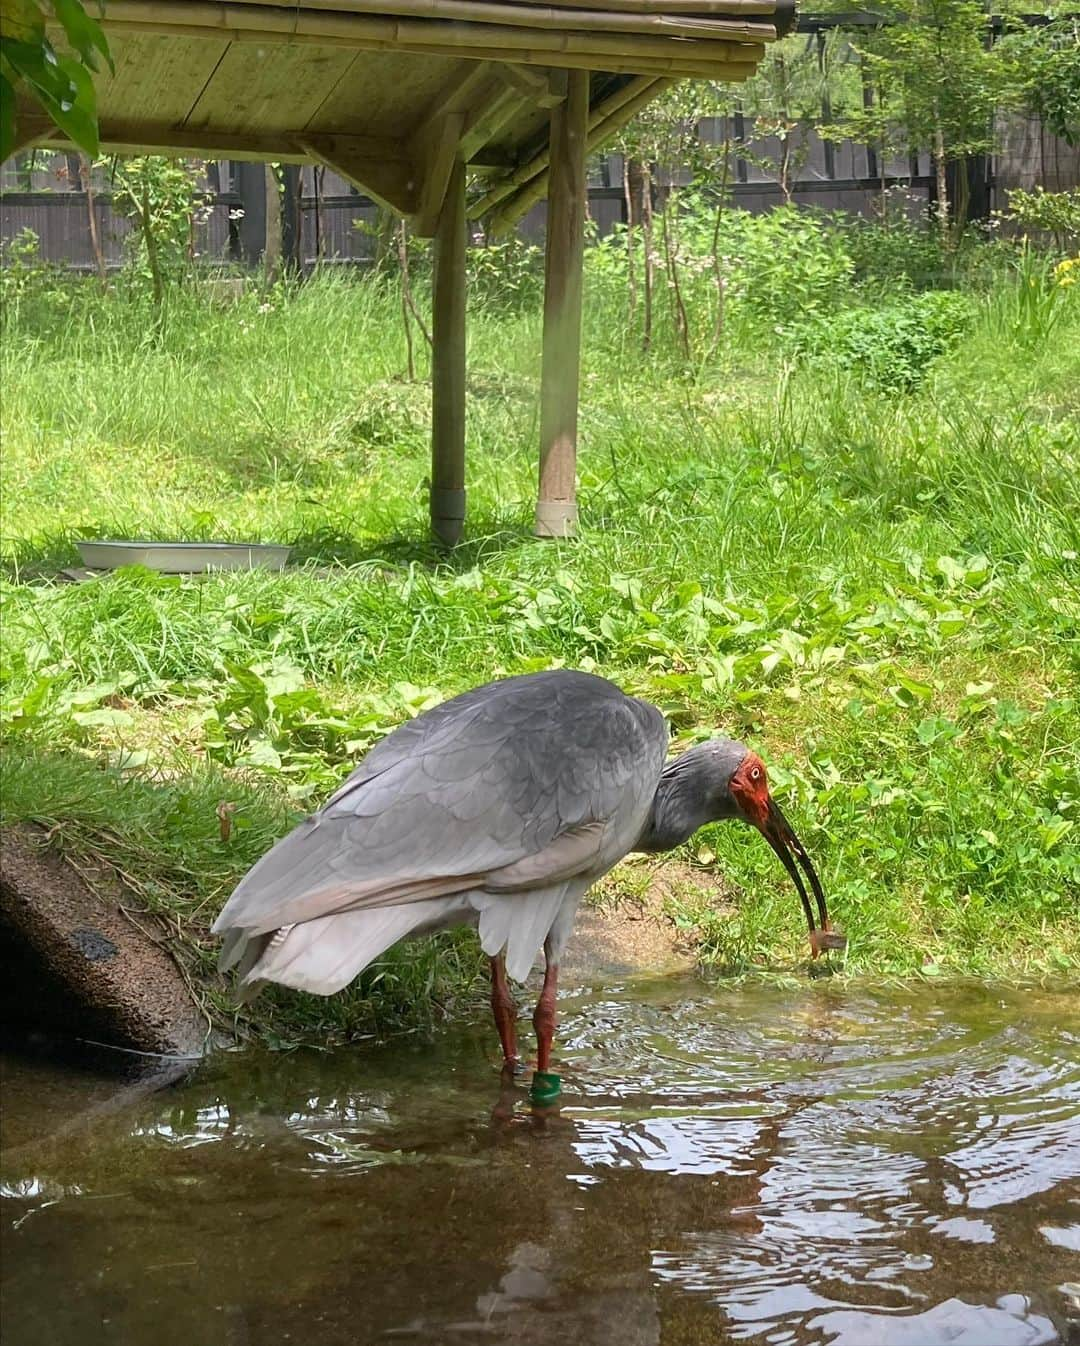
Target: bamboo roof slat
[
  {"x": 724, "y": 27},
  {"x": 374, "y": 32}
]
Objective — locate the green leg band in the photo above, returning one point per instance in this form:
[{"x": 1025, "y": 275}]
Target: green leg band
[{"x": 545, "y": 1087}]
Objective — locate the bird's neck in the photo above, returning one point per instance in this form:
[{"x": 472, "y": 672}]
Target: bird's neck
[{"x": 679, "y": 808}]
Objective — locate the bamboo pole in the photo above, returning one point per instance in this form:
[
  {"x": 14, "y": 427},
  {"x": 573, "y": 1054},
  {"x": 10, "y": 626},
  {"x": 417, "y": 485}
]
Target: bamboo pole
[
  {"x": 728, "y": 72},
  {"x": 537, "y": 187},
  {"x": 497, "y": 12},
  {"x": 447, "y": 37},
  {"x": 718, "y": 7},
  {"x": 525, "y": 172},
  {"x": 448, "y": 366},
  {"x": 556, "y": 508}
]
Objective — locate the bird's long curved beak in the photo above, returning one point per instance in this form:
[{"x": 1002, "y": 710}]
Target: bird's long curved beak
[{"x": 780, "y": 835}]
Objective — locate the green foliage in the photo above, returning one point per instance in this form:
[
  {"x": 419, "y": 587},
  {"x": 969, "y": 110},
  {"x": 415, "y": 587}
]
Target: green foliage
[
  {"x": 1056, "y": 213},
  {"x": 61, "y": 84},
  {"x": 1045, "y": 65},
  {"x": 162, "y": 197},
  {"x": 893, "y": 345},
  {"x": 506, "y": 274},
  {"x": 24, "y": 274},
  {"x": 879, "y": 592}
]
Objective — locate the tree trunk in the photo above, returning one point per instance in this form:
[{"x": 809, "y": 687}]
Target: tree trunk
[
  {"x": 408, "y": 300},
  {"x": 682, "y": 322},
  {"x": 87, "y": 169},
  {"x": 152, "y": 259},
  {"x": 942, "y": 180},
  {"x": 272, "y": 250},
  {"x": 718, "y": 271}
]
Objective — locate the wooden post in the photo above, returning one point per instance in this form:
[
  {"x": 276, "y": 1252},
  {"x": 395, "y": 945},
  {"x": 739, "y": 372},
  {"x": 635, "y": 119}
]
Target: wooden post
[
  {"x": 448, "y": 366},
  {"x": 556, "y": 507}
]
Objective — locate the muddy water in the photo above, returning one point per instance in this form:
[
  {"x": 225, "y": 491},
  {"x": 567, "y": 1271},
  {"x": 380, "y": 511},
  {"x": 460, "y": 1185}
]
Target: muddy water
[{"x": 781, "y": 1167}]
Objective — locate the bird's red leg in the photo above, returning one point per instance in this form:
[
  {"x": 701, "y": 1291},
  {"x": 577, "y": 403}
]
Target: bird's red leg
[
  {"x": 504, "y": 1008},
  {"x": 544, "y": 1019}
]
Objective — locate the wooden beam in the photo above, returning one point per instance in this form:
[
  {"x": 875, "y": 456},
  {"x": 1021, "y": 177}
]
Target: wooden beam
[
  {"x": 556, "y": 507},
  {"x": 448, "y": 365},
  {"x": 518, "y": 205},
  {"x": 388, "y": 159},
  {"x": 394, "y": 182},
  {"x": 31, "y": 130},
  {"x": 531, "y": 84},
  {"x": 525, "y": 172},
  {"x": 440, "y": 137},
  {"x": 435, "y": 173}
]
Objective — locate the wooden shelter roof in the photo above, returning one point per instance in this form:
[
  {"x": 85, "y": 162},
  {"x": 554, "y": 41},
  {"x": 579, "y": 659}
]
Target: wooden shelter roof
[
  {"x": 392, "y": 92},
  {"x": 404, "y": 98}
]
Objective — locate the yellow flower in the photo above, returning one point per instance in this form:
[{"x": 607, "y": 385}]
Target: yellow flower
[{"x": 1067, "y": 273}]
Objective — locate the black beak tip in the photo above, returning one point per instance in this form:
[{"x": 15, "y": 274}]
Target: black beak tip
[{"x": 824, "y": 941}]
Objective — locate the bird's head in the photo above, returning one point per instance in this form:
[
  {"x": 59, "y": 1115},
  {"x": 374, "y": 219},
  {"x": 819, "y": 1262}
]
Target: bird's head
[{"x": 724, "y": 779}]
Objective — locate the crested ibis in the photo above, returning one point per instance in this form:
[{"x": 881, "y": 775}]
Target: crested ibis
[{"x": 498, "y": 808}]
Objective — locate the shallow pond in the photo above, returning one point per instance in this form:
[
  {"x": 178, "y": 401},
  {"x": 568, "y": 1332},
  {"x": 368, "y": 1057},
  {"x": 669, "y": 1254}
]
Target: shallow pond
[{"x": 821, "y": 1165}]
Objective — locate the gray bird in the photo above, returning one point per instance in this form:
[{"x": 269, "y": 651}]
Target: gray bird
[{"x": 499, "y": 809}]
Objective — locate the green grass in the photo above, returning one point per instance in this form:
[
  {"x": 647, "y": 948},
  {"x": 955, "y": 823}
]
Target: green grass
[{"x": 880, "y": 591}]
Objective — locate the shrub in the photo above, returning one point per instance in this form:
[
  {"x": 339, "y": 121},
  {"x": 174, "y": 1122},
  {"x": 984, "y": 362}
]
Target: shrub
[{"x": 892, "y": 346}]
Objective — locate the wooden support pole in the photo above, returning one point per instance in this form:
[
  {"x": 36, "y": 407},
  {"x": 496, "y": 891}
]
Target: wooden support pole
[
  {"x": 556, "y": 507},
  {"x": 448, "y": 365}
]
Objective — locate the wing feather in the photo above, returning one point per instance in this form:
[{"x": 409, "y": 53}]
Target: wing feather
[{"x": 517, "y": 784}]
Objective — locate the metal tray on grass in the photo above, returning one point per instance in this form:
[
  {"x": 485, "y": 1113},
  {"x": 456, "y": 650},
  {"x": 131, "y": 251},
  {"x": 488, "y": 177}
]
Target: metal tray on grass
[{"x": 183, "y": 558}]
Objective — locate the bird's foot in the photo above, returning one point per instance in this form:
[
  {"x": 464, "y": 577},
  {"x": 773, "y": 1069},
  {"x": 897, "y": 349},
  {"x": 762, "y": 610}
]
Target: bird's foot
[{"x": 512, "y": 1067}]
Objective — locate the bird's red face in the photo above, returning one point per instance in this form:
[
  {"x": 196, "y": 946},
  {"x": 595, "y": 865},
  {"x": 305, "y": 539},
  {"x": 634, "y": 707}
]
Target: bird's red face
[{"x": 749, "y": 787}]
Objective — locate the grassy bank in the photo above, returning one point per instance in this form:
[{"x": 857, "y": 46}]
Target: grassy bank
[{"x": 874, "y": 580}]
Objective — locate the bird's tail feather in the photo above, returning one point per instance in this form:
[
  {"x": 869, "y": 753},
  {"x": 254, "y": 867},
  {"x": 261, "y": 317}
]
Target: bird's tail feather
[
  {"x": 322, "y": 956},
  {"x": 518, "y": 923}
]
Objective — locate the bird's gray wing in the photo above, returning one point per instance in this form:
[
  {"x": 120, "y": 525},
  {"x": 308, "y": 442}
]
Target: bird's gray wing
[{"x": 511, "y": 786}]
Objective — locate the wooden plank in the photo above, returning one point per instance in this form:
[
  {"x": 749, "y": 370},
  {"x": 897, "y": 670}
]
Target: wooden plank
[
  {"x": 556, "y": 506},
  {"x": 387, "y": 92},
  {"x": 157, "y": 81},
  {"x": 448, "y": 366},
  {"x": 525, "y": 172},
  {"x": 265, "y": 88}
]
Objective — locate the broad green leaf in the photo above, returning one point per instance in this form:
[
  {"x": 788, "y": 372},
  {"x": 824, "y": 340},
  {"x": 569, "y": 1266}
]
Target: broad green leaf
[
  {"x": 951, "y": 623},
  {"x": 104, "y": 718},
  {"x": 62, "y": 86},
  {"x": 83, "y": 32}
]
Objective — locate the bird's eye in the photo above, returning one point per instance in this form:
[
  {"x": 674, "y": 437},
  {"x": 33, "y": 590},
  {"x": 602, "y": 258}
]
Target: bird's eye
[{"x": 755, "y": 774}]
